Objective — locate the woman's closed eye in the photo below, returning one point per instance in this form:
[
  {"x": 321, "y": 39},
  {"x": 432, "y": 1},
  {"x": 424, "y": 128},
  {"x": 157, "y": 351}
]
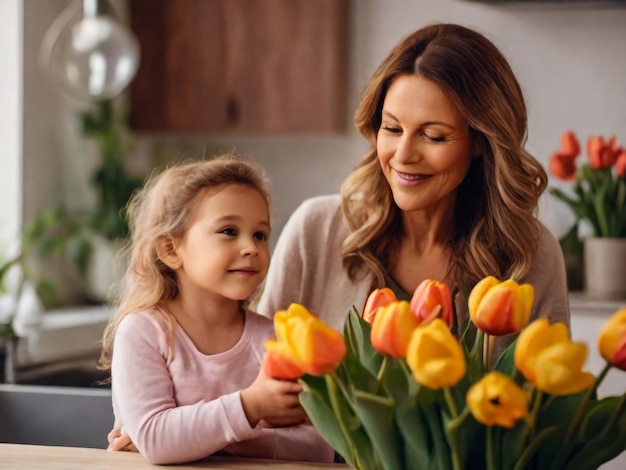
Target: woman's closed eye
[
  {"x": 392, "y": 129},
  {"x": 438, "y": 139}
]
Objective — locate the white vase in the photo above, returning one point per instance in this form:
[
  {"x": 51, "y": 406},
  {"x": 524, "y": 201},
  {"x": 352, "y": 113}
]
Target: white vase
[
  {"x": 105, "y": 269},
  {"x": 605, "y": 267}
]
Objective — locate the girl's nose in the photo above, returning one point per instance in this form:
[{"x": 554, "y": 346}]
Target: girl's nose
[{"x": 249, "y": 249}]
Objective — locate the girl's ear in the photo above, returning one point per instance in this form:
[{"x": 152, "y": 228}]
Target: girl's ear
[{"x": 166, "y": 251}]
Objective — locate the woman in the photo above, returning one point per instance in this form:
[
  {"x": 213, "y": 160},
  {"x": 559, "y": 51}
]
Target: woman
[{"x": 446, "y": 191}]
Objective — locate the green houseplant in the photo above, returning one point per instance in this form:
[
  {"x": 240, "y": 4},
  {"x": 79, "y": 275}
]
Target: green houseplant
[{"x": 60, "y": 230}]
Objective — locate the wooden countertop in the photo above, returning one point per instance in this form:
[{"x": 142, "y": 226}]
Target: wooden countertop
[{"x": 19, "y": 457}]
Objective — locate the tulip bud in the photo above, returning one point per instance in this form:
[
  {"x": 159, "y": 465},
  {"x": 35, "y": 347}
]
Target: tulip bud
[
  {"x": 549, "y": 360},
  {"x": 612, "y": 340},
  {"x": 435, "y": 356},
  {"x": 432, "y": 300},
  {"x": 378, "y": 298},
  {"x": 500, "y": 308},
  {"x": 562, "y": 166},
  {"x": 495, "y": 400},
  {"x": 392, "y": 329},
  {"x": 569, "y": 144}
]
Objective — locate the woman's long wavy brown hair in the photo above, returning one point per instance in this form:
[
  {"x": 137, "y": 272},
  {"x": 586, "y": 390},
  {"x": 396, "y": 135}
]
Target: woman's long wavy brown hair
[
  {"x": 160, "y": 210},
  {"x": 496, "y": 232}
]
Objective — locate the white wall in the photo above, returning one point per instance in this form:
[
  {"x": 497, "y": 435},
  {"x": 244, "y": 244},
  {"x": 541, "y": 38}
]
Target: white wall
[
  {"x": 571, "y": 63},
  {"x": 10, "y": 119}
]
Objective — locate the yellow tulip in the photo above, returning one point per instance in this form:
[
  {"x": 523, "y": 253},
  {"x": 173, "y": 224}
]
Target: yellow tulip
[
  {"x": 392, "y": 329},
  {"x": 378, "y": 298},
  {"x": 500, "y": 308},
  {"x": 550, "y": 360},
  {"x": 306, "y": 341},
  {"x": 612, "y": 340},
  {"x": 432, "y": 300},
  {"x": 435, "y": 356},
  {"x": 495, "y": 400}
]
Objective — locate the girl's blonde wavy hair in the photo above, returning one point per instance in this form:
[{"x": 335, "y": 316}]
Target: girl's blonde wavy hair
[
  {"x": 496, "y": 232},
  {"x": 163, "y": 209}
]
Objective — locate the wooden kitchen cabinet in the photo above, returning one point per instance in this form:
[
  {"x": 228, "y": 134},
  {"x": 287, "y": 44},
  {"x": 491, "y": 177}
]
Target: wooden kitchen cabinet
[{"x": 247, "y": 66}]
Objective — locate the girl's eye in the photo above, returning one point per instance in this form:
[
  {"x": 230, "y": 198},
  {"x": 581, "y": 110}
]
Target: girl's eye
[
  {"x": 229, "y": 231},
  {"x": 261, "y": 236}
]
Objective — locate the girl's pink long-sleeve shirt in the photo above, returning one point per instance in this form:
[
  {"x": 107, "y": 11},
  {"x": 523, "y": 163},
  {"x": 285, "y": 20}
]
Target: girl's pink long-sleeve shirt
[{"x": 191, "y": 408}]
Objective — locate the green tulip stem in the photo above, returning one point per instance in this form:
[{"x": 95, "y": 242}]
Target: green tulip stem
[
  {"x": 532, "y": 419},
  {"x": 580, "y": 413},
  {"x": 491, "y": 464},
  {"x": 487, "y": 347},
  {"x": 332, "y": 382},
  {"x": 614, "y": 417},
  {"x": 383, "y": 366},
  {"x": 447, "y": 393},
  {"x": 582, "y": 408}
]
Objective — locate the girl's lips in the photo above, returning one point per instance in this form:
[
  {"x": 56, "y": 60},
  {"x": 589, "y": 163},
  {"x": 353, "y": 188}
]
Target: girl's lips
[
  {"x": 248, "y": 271},
  {"x": 411, "y": 179}
]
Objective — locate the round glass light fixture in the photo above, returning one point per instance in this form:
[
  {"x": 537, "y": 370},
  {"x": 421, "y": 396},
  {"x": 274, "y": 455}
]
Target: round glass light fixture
[{"x": 91, "y": 54}]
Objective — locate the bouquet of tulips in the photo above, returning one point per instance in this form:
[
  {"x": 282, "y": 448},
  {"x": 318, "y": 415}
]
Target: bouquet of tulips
[
  {"x": 399, "y": 391},
  {"x": 599, "y": 186}
]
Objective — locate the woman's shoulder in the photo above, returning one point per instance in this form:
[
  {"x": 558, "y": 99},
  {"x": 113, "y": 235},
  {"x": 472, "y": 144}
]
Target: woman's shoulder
[
  {"x": 548, "y": 247},
  {"x": 323, "y": 213}
]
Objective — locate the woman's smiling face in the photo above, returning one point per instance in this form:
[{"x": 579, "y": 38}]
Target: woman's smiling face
[{"x": 424, "y": 145}]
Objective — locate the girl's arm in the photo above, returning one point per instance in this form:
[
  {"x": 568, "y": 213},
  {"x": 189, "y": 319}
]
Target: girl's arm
[
  {"x": 302, "y": 443},
  {"x": 144, "y": 401}
]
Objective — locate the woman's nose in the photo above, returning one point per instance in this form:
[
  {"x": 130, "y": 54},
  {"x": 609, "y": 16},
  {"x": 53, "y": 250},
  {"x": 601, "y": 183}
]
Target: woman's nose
[{"x": 406, "y": 151}]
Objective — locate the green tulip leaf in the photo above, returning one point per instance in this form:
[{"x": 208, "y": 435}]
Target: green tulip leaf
[
  {"x": 357, "y": 333},
  {"x": 377, "y": 415}
]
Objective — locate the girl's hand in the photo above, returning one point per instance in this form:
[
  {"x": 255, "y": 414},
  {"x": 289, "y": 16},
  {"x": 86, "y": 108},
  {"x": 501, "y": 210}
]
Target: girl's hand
[
  {"x": 119, "y": 441},
  {"x": 275, "y": 402}
]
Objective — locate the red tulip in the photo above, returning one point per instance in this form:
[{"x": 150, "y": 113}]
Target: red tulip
[
  {"x": 562, "y": 166},
  {"x": 378, "y": 298},
  {"x": 620, "y": 164},
  {"x": 570, "y": 146},
  {"x": 602, "y": 154},
  {"x": 432, "y": 300}
]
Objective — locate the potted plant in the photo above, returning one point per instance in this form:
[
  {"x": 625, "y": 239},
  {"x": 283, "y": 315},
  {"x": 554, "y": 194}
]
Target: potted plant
[
  {"x": 83, "y": 234},
  {"x": 598, "y": 200}
]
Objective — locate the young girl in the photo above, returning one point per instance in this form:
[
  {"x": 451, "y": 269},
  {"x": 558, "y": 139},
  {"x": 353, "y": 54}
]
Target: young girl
[{"x": 184, "y": 352}]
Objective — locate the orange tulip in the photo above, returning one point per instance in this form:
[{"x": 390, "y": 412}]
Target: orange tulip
[
  {"x": 304, "y": 340},
  {"x": 602, "y": 154},
  {"x": 279, "y": 363},
  {"x": 620, "y": 164},
  {"x": 392, "y": 329},
  {"x": 612, "y": 340},
  {"x": 378, "y": 298},
  {"x": 500, "y": 308},
  {"x": 570, "y": 146},
  {"x": 562, "y": 166},
  {"x": 432, "y": 300}
]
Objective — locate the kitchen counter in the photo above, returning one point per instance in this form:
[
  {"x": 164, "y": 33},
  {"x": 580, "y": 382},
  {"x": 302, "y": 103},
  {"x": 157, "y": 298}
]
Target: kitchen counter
[{"x": 18, "y": 457}]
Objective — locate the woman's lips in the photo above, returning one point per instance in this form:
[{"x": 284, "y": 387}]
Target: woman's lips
[{"x": 411, "y": 179}]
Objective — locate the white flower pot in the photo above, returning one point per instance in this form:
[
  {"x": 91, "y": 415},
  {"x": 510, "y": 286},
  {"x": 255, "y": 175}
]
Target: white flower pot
[{"x": 605, "y": 267}]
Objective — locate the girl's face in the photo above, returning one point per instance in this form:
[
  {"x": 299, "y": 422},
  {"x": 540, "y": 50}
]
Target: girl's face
[
  {"x": 224, "y": 252},
  {"x": 424, "y": 145}
]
